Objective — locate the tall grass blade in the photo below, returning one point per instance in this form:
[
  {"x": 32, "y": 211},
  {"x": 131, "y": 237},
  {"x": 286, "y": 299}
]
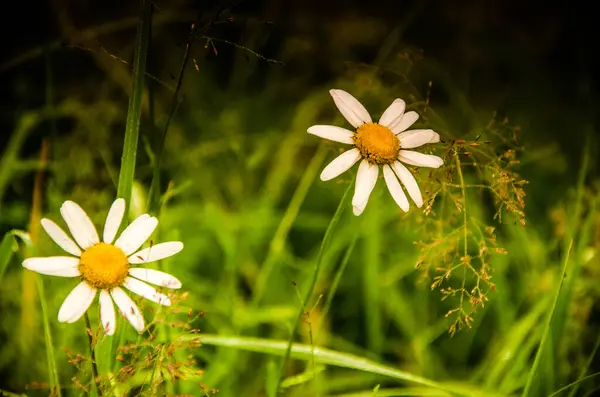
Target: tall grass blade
[
  {"x": 324, "y": 244},
  {"x": 132, "y": 129},
  {"x": 277, "y": 244},
  {"x": 536, "y": 362},
  {"x": 50, "y": 357},
  {"x": 328, "y": 357},
  {"x": 6, "y": 252},
  {"x": 576, "y": 383},
  {"x": 134, "y": 112}
]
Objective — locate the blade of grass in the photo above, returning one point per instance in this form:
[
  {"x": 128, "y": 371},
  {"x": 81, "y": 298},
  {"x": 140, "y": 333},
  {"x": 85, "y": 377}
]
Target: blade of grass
[
  {"x": 277, "y": 245},
  {"x": 328, "y": 357},
  {"x": 337, "y": 278},
  {"x": 324, "y": 244},
  {"x": 134, "y": 112},
  {"x": 50, "y": 357},
  {"x": 576, "y": 383},
  {"x": 132, "y": 129},
  {"x": 6, "y": 252},
  {"x": 408, "y": 391},
  {"x": 371, "y": 290},
  {"x": 34, "y": 229},
  {"x": 536, "y": 362},
  {"x": 585, "y": 368},
  {"x": 153, "y": 192}
]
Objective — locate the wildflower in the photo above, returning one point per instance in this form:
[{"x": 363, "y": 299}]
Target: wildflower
[
  {"x": 378, "y": 144},
  {"x": 106, "y": 266}
]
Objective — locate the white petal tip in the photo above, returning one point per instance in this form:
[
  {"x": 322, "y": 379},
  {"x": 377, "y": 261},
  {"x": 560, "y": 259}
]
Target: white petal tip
[
  {"x": 174, "y": 284},
  {"x": 357, "y": 210},
  {"x": 324, "y": 178}
]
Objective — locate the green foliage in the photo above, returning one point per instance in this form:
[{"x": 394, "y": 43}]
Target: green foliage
[{"x": 279, "y": 298}]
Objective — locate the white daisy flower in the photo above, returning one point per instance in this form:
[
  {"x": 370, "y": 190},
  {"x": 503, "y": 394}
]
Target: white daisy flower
[
  {"x": 106, "y": 266},
  {"x": 378, "y": 144}
]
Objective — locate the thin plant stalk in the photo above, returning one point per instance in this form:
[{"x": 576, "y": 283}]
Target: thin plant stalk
[
  {"x": 34, "y": 227},
  {"x": 324, "y": 245},
  {"x": 154, "y": 185},
  {"x": 132, "y": 129},
  {"x": 88, "y": 331},
  {"x": 134, "y": 112},
  {"x": 277, "y": 244},
  {"x": 541, "y": 348},
  {"x": 336, "y": 280}
]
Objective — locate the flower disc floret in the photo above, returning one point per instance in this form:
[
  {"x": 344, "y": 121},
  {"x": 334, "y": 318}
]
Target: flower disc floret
[
  {"x": 104, "y": 266},
  {"x": 377, "y": 143}
]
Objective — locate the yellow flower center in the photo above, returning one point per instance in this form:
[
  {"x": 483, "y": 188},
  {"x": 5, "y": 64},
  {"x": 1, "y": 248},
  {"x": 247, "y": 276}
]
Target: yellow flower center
[
  {"x": 104, "y": 266},
  {"x": 377, "y": 143}
]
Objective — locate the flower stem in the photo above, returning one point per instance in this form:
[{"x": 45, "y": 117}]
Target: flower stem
[
  {"x": 465, "y": 229},
  {"x": 88, "y": 331},
  {"x": 324, "y": 244}
]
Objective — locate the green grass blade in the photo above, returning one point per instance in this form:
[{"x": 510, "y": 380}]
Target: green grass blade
[
  {"x": 585, "y": 368},
  {"x": 132, "y": 129},
  {"x": 371, "y": 256},
  {"x": 6, "y": 252},
  {"x": 277, "y": 245},
  {"x": 50, "y": 357},
  {"x": 324, "y": 244},
  {"x": 134, "y": 112},
  {"x": 576, "y": 383},
  {"x": 536, "y": 362},
  {"x": 338, "y": 277},
  {"x": 325, "y": 356}
]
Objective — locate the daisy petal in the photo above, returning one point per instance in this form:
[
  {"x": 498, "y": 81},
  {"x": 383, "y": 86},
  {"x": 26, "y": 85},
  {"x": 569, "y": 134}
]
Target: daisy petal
[
  {"x": 128, "y": 308},
  {"x": 395, "y": 189},
  {"x": 113, "y": 220},
  {"x": 393, "y": 114},
  {"x": 146, "y": 291},
  {"x": 156, "y": 252},
  {"x": 62, "y": 266},
  {"x": 420, "y": 159},
  {"x": 333, "y": 133},
  {"x": 155, "y": 277},
  {"x": 107, "y": 313},
  {"x": 340, "y": 164},
  {"x": 365, "y": 182},
  {"x": 406, "y": 121},
  {"x": 80, "y": 225},
  {"x": 60, "y": 237},
  {"x": 76, "y": 303},
  {"x": 409, "y": 182},
  {"x": 351, "y": 108},
  {"x": 415, "y": 138},
  {"x": 136, "y": 233}
]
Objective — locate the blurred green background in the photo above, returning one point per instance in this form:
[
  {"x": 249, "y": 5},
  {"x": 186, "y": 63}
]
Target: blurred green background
[{"x": 238, "y": 183}]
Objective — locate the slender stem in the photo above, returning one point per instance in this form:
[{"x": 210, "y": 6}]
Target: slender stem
[
  {"x": 132, "y": 128},
  {"x": 465, "y": 228},
  {"x": 277, "y": 245},
  {"x": 542, "y": 346},
  {"x": 337, "y": 279},
  {"x": 89, "y": 331},
  {"x": 324, "y": 244},
  {"x": 152, "y": 193}
]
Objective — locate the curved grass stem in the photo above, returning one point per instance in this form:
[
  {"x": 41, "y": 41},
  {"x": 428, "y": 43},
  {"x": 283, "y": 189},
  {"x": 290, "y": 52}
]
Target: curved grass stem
[{"x": 324, "y": 245}]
